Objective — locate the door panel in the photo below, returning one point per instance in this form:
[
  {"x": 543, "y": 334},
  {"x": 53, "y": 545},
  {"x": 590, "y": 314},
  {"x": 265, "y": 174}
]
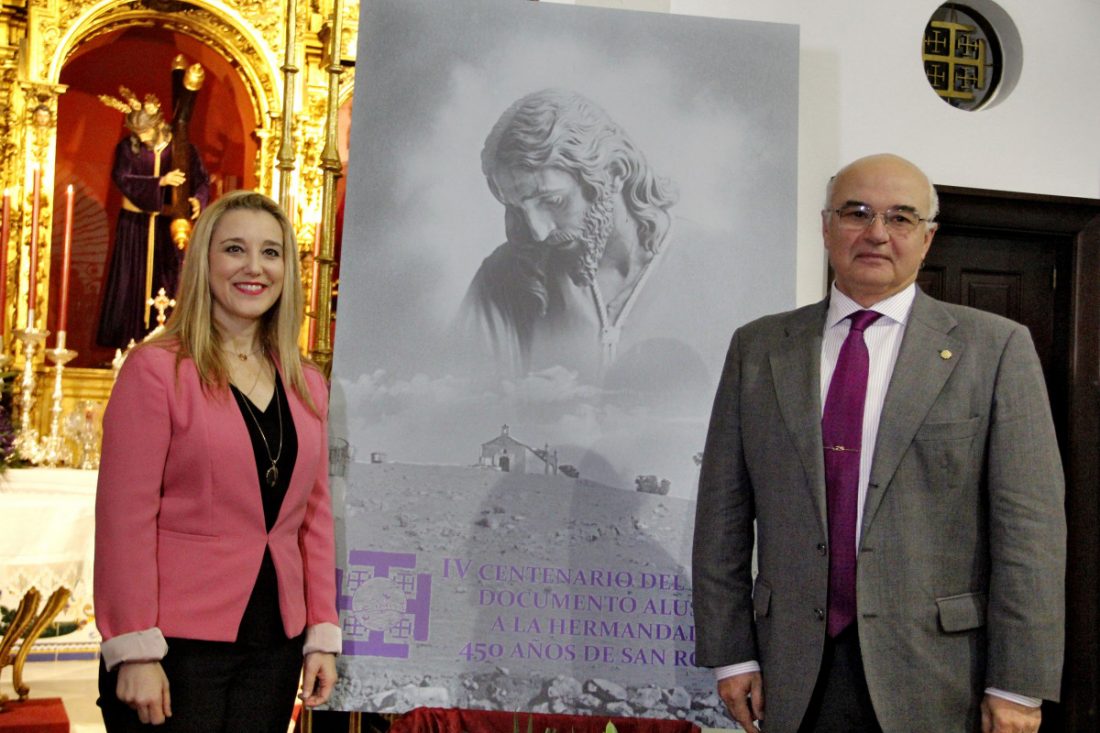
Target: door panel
[
  {"x": 1036, "y": 260},
  {"x": 1012, "y": 276}
]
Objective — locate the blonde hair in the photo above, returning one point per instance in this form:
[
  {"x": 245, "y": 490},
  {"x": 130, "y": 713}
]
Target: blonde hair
[{"x": 191, "y": 330}]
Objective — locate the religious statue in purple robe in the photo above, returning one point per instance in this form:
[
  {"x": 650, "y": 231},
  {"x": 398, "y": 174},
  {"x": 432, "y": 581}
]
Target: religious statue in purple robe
[{"x": 144, "y": 258}]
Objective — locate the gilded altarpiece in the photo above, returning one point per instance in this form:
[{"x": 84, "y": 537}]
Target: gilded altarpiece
[{"x": 38, "y": 38}]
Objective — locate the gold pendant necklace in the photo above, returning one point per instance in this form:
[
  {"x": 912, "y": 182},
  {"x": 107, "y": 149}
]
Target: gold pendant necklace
[
  {"x": 243, "y": 355},
  {"x": 272, "y": 473}
]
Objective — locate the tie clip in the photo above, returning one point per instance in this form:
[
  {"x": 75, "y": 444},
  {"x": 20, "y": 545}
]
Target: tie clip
[{"x": 841, "y": 449}]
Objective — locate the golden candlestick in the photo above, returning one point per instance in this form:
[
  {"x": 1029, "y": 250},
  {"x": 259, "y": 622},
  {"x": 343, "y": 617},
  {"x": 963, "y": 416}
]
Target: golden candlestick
[
  {"x": 26, "y": 441},
  {"x": 54, "y": 451}
]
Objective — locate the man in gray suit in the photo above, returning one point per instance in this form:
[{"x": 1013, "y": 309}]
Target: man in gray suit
[{"x": 956, "y": 549}]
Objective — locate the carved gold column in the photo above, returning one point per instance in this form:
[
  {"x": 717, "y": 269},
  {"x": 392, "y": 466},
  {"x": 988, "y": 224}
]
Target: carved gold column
[
  {"x": 31, "y": 241},
  {"x": 39, "y": 149},
  {"x": 12, "y": 33},
  {"x": 330, "y": 164},
  {"x": 286, "y": 143},
  {"x": 36, "y": 105}
]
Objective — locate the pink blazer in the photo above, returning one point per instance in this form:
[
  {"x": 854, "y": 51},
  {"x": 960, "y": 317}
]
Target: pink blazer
[{"x": 180, "y": 529}]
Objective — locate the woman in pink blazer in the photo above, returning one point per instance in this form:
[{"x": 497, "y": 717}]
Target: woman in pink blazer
[{"x": 215, "y": 568}]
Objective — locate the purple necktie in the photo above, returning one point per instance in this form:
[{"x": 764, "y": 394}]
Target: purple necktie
[{"x": 842, "y": 434}]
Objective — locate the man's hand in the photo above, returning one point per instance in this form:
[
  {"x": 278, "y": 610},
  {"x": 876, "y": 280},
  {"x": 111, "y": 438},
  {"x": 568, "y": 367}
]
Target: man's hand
[
  {"x": 318, "y": 678},
  {"x": 744, "y": 696},
  {"x": 1004, "y": 716},
  {"x": 173, "y": 178},
  {"x": 144, "y": 687}
]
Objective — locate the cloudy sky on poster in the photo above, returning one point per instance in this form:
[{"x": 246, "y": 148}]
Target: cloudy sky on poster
[{"x": 715, "y": 113}]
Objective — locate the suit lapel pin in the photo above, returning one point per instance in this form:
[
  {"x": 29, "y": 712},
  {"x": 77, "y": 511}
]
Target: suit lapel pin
[{"x": 945, "y": 354}]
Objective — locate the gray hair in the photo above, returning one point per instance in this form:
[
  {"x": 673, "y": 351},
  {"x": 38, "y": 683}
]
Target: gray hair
[{"x": 933, "y": 197}]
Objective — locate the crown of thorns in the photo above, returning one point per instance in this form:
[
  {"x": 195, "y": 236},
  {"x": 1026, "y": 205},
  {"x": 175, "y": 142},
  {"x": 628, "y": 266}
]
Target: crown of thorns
[{"x": 140, "y": 115}]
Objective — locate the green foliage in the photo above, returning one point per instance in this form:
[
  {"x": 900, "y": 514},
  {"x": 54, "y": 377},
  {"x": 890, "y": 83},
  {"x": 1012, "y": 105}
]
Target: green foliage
[
  {"x": 530, "y": 725},
  {"x": 7, "y": 441},
  {"x": 57, "y": 628}
]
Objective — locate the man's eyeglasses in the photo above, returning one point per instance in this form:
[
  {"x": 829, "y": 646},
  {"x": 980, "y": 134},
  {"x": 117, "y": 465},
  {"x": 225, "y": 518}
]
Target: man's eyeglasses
[{"x": 857, "y": 217}]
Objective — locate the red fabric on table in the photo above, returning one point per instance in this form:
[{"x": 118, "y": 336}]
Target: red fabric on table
[
  {"x": 45, "y": 715},
  {"x": 449, "y": 720}
]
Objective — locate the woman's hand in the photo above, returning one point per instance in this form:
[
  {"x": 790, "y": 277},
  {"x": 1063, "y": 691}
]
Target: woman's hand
[
  {"x": 144, "y": 687},
  {"x": 318, "y": 678}
]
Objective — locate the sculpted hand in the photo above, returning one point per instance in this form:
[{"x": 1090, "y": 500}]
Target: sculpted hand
[
  {"x": 144, "y": 687},
  {"x": 744, "y": 696},
  {"x": 196, "y": 207},
  {"x": 1004, "y": 716},
  {"x": 318, "y": 678},
  {"x": 173, "y": 178}
]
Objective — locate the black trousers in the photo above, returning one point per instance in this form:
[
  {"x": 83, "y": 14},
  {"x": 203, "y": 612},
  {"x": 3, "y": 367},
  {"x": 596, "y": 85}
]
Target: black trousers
[
  {"x": 841, "y": 702},
  {"x": 217, "y": 687}
]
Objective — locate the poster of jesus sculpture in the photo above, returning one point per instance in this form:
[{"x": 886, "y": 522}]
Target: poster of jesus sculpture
[{"x": 556, "y": 218}]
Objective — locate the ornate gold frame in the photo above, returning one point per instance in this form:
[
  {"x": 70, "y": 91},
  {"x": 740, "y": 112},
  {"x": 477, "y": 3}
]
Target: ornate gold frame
[{"x": 272, "y": 51}]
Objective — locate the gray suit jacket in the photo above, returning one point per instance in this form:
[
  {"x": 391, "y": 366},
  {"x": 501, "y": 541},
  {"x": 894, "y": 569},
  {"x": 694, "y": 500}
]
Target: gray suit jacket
[{"x": 962, "y": 560}]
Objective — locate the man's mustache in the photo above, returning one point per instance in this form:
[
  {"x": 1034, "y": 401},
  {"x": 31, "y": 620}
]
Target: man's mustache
[
  {"x": 559, "y": 240},
  {"x": 560, "y": 237}
]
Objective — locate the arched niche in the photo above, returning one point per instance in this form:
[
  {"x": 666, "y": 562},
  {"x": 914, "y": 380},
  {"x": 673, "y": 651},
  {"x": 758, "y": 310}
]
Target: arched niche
[{"x": 125, "y": 44}]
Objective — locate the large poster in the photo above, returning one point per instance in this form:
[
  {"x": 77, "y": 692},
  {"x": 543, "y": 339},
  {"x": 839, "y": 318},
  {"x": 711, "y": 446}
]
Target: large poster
[{"x": 556, "y": 217}]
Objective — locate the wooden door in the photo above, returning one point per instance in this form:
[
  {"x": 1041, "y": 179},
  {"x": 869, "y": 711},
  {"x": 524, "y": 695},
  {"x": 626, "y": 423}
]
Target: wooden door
[
  {"x": 1015, "y": 275},
  {"x": 1036, "y": 260}
]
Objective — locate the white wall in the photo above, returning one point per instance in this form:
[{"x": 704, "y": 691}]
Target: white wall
[{"x": 862, "y": 91}]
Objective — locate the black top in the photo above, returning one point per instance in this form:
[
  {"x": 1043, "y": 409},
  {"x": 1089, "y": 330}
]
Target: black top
[
  {"x": 268, "y": 420},
  {"x": 262, "y": 621}
]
